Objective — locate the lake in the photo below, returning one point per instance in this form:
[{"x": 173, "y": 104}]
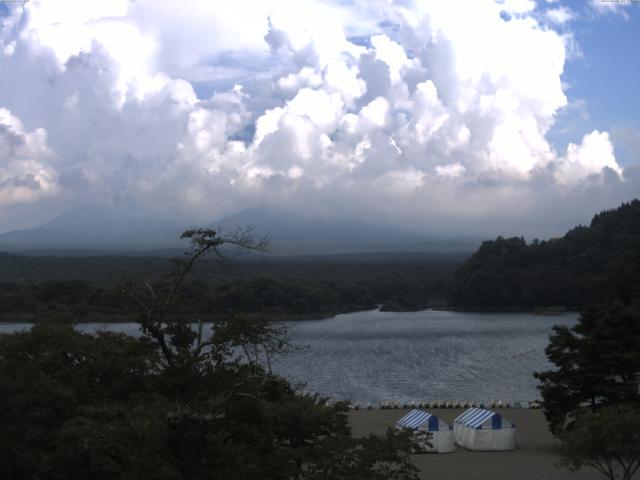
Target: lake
[{"x": 429, "y": 355}]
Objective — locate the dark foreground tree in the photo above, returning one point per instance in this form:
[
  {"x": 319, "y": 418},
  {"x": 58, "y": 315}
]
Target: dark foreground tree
[
  {"x": 176, "y": 403},
  {"x": 607, "y": 440},
  {"x": 598, "y": 364}
]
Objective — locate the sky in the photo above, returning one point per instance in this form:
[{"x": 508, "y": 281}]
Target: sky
[{"x": 465, "y": 118}]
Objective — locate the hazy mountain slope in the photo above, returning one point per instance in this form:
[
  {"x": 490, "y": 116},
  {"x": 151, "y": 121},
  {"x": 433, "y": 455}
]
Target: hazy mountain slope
[
  {"x": 282, "y": 225},
  {"x": 96, "y": 228},
  {"x": 293, "y": 234},
  {"x": 104, "y": 229}
]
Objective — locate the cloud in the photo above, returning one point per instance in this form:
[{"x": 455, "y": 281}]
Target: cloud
[
  {"x": 628, "y": 138},
  {"x": 414, "y": 112},
  {"x": 560, "y": 15},
  {"x": 608, "y": 7},
  {"x": 594, "y": 154},
  {"x": 450, "y": 170},
  {"x": 25, "y": 172}
]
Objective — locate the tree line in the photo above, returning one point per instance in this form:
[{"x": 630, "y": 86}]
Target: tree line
[
  {"x": 282, "y": 289},
  {"x": 590, "y": 264}
]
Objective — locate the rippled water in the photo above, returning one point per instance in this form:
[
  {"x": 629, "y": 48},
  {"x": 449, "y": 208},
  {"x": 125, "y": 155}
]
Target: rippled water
[{"x": 430, "y": 355}]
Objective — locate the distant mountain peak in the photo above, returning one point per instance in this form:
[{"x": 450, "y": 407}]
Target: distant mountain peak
[
  {"x": 291, "y": 233},
  {"x": 287, "y": 225}
]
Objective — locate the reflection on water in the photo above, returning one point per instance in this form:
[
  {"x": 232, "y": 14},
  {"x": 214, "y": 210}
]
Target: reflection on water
[{"x": 429, "y": 355}]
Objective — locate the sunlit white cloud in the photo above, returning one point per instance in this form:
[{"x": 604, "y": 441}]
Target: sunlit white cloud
[
  {"x": 560, "y": 15},
  {"x": 592, "y": 155},
  {"x": 411, "y": 109},
  {"x": 608, "y": 7}
]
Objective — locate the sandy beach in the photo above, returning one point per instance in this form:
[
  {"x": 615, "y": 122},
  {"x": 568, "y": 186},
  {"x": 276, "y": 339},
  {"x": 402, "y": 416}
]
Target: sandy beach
[{"x": 534, "y": 459}]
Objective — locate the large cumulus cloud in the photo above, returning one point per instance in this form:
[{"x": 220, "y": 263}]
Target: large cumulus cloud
[{"x": 409, "y": 111}]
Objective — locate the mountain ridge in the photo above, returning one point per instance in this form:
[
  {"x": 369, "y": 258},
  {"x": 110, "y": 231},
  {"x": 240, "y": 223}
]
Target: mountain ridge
[{"x": 112, "y": 230}]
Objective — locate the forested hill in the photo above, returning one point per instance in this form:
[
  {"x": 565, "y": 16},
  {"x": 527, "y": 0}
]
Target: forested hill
[{"x": 588, "y": 265}]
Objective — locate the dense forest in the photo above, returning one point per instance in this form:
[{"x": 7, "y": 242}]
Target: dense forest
[
  {"x": 590, "y": 264},
  {"x": 90, "y": 288}
]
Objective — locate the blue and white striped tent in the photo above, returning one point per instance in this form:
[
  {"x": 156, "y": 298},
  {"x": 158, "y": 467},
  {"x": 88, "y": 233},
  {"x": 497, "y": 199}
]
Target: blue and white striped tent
[
  {"x": 441, "y": 438},
  {"x": 486, "y": 430}
]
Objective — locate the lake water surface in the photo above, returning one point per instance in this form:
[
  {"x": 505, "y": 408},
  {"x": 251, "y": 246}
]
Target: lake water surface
[{"x": 429, "y": 355}]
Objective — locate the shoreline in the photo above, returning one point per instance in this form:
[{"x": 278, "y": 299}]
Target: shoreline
[
  {"x": 500, "y": 405},
  {"x": 30, "y": 318},
  {"x": 543, "y": 311}
]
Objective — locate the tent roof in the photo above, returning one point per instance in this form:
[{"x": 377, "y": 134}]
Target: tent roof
[
  {"x": 417, "y": 418},
  {"x": 476, "y": 417}
]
